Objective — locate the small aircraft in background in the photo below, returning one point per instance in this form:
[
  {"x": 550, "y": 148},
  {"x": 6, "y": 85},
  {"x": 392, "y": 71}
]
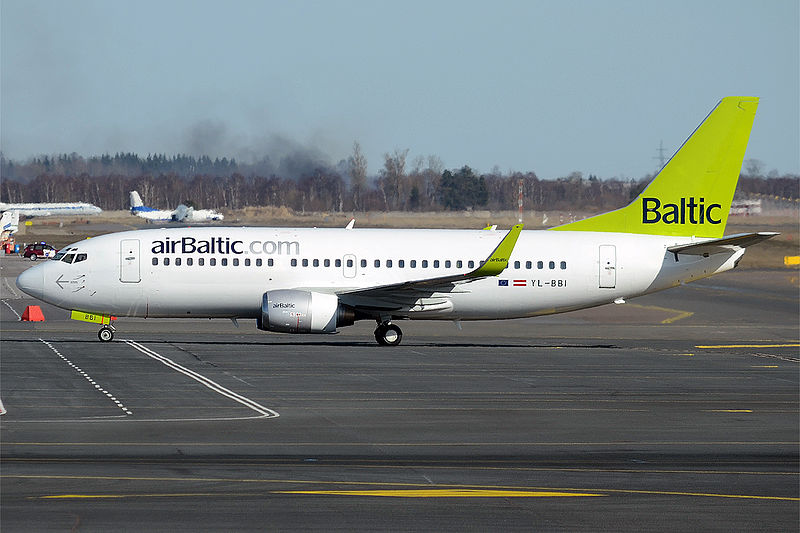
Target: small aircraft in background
[
  {"x": 51, "y": 209},
  {"x": 182, "y": 213}
]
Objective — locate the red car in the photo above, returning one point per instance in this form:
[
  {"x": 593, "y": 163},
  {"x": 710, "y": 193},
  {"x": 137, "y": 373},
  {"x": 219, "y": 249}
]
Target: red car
[{"x": 36, "y": 250}]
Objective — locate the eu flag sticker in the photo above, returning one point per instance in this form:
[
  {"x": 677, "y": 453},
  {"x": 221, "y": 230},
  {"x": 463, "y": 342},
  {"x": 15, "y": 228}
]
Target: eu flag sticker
[{"x": 502, "y": 283}]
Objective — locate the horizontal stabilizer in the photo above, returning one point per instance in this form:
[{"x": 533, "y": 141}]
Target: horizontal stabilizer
[{"x": 725, "y": 244}]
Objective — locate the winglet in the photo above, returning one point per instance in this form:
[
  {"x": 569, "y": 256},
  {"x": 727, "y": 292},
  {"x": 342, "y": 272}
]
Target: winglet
[{"x": 498, "y": 259}]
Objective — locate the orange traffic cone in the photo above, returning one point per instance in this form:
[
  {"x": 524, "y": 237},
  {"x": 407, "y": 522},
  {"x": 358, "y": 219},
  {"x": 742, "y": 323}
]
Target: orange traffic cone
[{"x": 33, "y": 313}]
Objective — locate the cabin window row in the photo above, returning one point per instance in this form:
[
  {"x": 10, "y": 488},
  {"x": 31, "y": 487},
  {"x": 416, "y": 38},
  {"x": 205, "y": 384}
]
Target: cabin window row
[
  {"x": 540, "y": 265},
  {"x": 388, "y": 263},
  {"x": 190, "y": 261}
]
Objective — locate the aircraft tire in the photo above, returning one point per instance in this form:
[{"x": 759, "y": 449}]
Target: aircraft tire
[
  {"x": 105, "y": 334},
  {"x": 388, "y": 335}
]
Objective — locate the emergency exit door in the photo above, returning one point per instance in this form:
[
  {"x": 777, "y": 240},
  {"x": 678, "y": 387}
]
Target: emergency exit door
[
  {"x": 608, "y": 266},
  {"x": 129, "y": 261},
  {"x": 349, "y": 266}
]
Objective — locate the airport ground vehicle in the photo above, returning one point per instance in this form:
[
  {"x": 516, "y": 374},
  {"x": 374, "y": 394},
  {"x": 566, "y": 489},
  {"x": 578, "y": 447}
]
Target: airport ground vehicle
[{"x": 39, "y": 250}]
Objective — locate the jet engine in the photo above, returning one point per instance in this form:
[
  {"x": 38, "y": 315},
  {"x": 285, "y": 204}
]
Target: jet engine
[{"x": 295, "y": 311}]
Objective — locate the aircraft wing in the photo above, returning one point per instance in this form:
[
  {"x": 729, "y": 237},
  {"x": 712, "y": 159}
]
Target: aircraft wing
[
  {"x": 398, "y": 295},
  {"x": 725, "y": 244}
]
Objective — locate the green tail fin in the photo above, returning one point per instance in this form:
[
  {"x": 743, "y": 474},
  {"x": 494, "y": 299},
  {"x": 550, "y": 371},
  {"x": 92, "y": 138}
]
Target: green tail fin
[{"x": 692, "y": 194}]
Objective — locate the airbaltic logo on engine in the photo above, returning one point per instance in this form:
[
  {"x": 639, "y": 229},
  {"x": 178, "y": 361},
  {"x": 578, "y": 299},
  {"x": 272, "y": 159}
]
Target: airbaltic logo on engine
[
  {"x": 688, "y": 211},
  {"x": 224, "y": 245}
]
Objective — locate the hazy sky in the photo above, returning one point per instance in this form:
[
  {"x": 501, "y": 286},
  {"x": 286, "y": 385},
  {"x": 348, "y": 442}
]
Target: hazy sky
[{"x": 549, "y": 86}]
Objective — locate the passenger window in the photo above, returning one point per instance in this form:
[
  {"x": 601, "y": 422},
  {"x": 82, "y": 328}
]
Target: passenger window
[
  {"x": 401, "y": 263},
  {"x": 236, "y": 261},
  {"x": 471, "y": 264},
  {"x": 80, "y": 257},
  {"x": 327, "y": 262},
  {"x": 294, "y": 262},
  {"x": 447, "y": 264},
  {"x": 413, "y": 263},
  {"x": 259, "y": 262},
  {"x": 316, "y": 262},
  {"x": 529, "y": 264},
  {"x": 388, "y": 263},
  {"x": 155, "y": 261},
  {"x": 212, "y": 262},
  {"x": 436, "y": 263},
  {"x": 270, "y": 262},
  {"x": 552, "y": 265},
  {"x": 177, "y": 261},
  {"x": 166, "y": 261},
  {"x": 224, "y": 261},
  {"x": 563, "y": 265},
  {"x": 201, "y": 261},
  {"x": 516, "y": 264},
  {"x": 377, "y": 263},
  {"x": 305, "y": 262},
  {"x": 539, "y": 265},
  {"x": 189, "y": 261},
  {"x": 350, "y": 263},
  {"x": 459, "y": 264},
  {"x": 338, "y": 263},
  {"x": 424, "y": 263},
  {"x": 363, "y": 263},
  {"x": 247, "y": 262}
]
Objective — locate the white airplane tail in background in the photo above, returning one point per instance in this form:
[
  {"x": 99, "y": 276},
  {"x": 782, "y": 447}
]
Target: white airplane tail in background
[
  {"x": 10, "y": 222},
  {"x": 136, "y": 200}
]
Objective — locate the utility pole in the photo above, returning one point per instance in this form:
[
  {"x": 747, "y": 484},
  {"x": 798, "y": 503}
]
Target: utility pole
[{"x": 660, "y": 156}]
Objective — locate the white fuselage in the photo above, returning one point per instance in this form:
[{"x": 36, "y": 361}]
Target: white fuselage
[
  {"x": 224, "y": 271},
  {"x": 52, "y": 209}
]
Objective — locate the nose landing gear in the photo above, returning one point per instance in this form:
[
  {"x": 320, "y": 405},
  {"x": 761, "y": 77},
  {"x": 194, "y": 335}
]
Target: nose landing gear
[
  {"x": 106, "y": 333},
  {"x": 387, "y": 334}
]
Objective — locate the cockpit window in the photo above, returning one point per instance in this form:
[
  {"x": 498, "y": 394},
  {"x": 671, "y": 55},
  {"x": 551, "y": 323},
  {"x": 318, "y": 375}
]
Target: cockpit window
[
  {"x": 80, "y": 257},
  {"x": 59, "y": 256},
  {"x": 68, "y": 258}
]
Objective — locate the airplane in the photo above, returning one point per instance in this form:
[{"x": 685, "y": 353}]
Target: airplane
[
  {"x": 181, "y": 213},
  {"x": 52, "y": 209},
  {"x": 316, "y": 280},
  {"x": 9, "y": 223}
]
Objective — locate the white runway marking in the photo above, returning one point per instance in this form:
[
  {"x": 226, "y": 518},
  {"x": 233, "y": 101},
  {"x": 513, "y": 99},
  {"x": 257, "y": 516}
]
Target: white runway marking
[
  {"x": 89, "y": 379},
  {"x": 12, "y": 309},
  {"x": 216, "y": 387}
]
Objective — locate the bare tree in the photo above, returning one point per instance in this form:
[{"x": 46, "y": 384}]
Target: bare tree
[
  {"x": 358, "y": 175},
  {"x": 394, "y": 169}
]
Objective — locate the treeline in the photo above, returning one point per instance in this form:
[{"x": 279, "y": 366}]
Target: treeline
[{"x": 421, "y": 185}]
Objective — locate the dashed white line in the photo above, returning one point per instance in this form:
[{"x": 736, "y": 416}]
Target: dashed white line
[
  {"x": 88, "y": 378},
  {"x": 216, "y": 387}
]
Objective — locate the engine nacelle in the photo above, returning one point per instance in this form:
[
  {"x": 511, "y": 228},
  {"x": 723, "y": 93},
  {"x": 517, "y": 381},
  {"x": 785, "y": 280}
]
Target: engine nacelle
[{"x": 294, "y": 311}]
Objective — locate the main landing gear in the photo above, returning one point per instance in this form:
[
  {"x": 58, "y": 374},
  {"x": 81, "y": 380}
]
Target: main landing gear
[
  {"x": 106, "y": 333},
  {"x": 387, "y": 334}
]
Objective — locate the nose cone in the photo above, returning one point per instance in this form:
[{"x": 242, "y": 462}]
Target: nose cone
[{"x": 31, "y": 282}]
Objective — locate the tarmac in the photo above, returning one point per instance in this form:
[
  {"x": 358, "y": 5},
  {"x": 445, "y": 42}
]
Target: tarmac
[{"x": 673, "y": 412}]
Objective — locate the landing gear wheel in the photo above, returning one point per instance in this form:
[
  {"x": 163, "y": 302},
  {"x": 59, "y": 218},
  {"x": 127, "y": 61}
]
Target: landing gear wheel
[
  {"x": 105, "y": 334},
  {"x": 388, "y": 335}
]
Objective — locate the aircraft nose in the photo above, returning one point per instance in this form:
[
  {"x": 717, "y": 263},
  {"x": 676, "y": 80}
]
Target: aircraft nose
[{"x": 31, "y": 282}]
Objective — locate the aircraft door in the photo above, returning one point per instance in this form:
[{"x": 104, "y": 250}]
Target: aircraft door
[
  {"x": 349, "y": 266},
  {"x": 129, "y": 261},
  {"x": 608, "y": 266}
]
